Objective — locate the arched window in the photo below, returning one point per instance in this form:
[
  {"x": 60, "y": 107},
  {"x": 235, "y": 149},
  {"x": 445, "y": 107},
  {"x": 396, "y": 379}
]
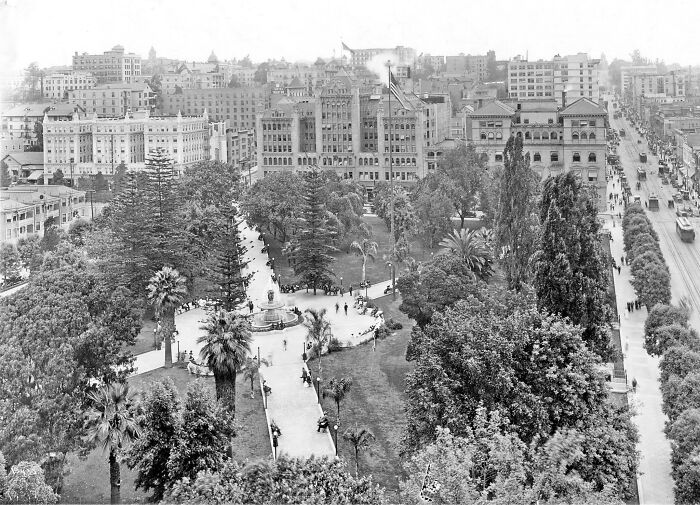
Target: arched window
[
  {"x": 577, "y": 157},
  {"x": 491, "y": 136},
  {"x": 265, "y": 161},
  {"x": 499, "y": 135},
  {"x": 519, "y": 134},
  {"x": 414, "y": 161},
  {"x": 574, "y": 136},
  {"x": 591, "y": 157},
  {"x": 554, "y": 157},
  {"x": 537, "y": 157},
  {"x": 528, "y": 136},
  {"x": 584, "y": 136},
  {"x": 362, "y": 162},
  {"x": 592, "y": 136},
  {"x": 483, "y": 135},
  {"x": 553, "y": 135},
  {"x": 536, "y": 135}
]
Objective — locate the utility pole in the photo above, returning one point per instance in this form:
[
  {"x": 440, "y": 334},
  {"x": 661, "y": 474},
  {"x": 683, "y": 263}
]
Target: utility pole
[
  {"x": 112, "y": 138},
  {"x": 391, "y": 190},
  {"x": 70, "y": 194}
]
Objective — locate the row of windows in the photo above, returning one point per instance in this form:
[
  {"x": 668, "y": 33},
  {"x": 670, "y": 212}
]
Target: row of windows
[{"x": 554, "y": 156}]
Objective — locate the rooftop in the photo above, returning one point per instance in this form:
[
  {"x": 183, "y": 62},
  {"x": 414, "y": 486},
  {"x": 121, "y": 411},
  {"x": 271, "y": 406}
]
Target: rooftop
[{"x": 27, "y": 158}]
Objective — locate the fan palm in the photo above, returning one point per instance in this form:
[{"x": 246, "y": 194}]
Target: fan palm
[
  {"x": 252, "y": 370},
  {"x": 367, "y": 249},
  {"x": 318, "y": 330},
  {"x": 336, "y": 391},
  {"x": 167, "y": 291},
  {"x": 226, "y": 345},
  {"x": 472, "y": 248},
  {"x": 112, "y": 423},
  {"x": 360, "y": 438}
]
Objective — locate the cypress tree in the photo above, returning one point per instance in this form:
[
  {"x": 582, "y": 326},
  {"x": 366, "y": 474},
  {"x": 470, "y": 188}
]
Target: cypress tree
[
  {"x": 570, "y": 274},
  {"x": 312, "y": 247}
]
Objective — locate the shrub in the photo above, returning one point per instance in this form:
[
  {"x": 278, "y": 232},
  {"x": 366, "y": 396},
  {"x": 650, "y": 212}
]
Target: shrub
[
  {"x": 334, "y": 345},
  {"x": 392, "y": 324}
]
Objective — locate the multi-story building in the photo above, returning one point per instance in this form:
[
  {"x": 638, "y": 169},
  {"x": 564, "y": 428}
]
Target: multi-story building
[
  {"x": 58, "y": 85},
  {"x": 565, "y": 79},
  {"x": 25, "y": 167},
  {"x": 238, "y": 106},
  {"x": 227, "y": 145},
  {"x": 111, "y": 66},
  {"x": 402, "y": 55},
  {"x": 84, "y": 146},
  {"x": 20, "y": 124},
  {"x": 24, "y": 209},
  {"x": 643, "y": 90},
  {"x": 473, "y": 66},
  {"x": 109, "y": 100},
  {"x": 556, "y": 140},
  {"x": 629, "y": 71},
  {"x": 350, "y": 131}
]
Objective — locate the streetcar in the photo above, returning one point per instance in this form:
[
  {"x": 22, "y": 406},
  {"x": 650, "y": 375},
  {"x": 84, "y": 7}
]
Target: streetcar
[
  {"x": 643, "y": 157},
  {"x": 685, "y": 229},
  {"x": 653, "y": 202},
  {"x": 641, "y": 174}
]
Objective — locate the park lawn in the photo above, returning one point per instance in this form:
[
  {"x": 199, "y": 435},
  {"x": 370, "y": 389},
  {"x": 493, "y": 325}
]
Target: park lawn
[
  {"x": 376, "y": 400},
  {"x": 88, "y": 481}
]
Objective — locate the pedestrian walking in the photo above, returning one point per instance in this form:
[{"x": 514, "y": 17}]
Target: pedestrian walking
[
  {"x": 341, "y": 291},
  {"x": 634, "y": 384},
  {"x": 337, "y": 307},
  {"x": 303, "y": 375},
  {"x": 351, "y": 290},
  {"x": 619, "y": 269},
  {"x": 250, "y": 306},
  {"x": 284, "y": 344},
  {"x": 622, "y": 260},
  {"x": 346, "y": 308}
]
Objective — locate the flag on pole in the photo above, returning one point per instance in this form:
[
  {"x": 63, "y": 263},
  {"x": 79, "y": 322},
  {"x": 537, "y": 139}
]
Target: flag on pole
[
  {"x": 395, "y": 90},
  {"x": 345, "y": 46}
]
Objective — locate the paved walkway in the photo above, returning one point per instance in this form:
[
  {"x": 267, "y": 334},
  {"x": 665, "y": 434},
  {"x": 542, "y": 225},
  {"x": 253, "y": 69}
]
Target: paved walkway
[
  {"x": 291, "y": 405},
  {"x": 655, "y": 482}
]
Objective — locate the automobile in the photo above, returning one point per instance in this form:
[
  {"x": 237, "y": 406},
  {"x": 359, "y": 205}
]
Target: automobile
[{"x": 681, "y": 212}]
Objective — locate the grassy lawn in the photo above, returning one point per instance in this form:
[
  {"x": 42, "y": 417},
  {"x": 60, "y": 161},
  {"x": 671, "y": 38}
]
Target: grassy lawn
[
  {"x": 376, "y": 400},
  {"x": 88, "y": 481},
  {"x": 349, "y": 265}
]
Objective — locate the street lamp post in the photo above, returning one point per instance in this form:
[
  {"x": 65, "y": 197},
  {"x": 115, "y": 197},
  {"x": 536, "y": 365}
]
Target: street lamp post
[
  {"x": 335, "y": 428},
  {"x": 318, "y": 389}
]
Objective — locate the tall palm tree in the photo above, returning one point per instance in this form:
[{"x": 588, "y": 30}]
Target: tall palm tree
[
  {"x": 112, "y": 422},
  {"x": 226, "y": 345},
  {"x": 472, "y": 248},
  {"x": 318, "y": 330},
  {"x": 336, "y": 390},
  {"x": 252, "y": 369},
  {"x": 166, "y": 291},
  {"x": 360, "y": 438},
  {"x": 367, "y": 249}
]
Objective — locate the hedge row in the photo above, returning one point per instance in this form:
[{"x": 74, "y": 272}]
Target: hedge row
[
  {"x": 666, "y": 334},
  {"x": 650, "y": 275}
]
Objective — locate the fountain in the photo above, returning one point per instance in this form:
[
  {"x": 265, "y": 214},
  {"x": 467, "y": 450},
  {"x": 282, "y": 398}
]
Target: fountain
[{"x": 272, "y": 311}]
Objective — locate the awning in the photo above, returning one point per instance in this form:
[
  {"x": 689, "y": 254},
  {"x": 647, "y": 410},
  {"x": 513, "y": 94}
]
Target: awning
[{"x": 35, "y": 175}]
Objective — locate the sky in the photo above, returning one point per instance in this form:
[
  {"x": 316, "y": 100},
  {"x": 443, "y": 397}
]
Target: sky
[{"x": 50, "y": 31}]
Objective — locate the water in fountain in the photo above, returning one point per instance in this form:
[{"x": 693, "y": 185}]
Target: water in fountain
[{"x": 272, "y": 311}]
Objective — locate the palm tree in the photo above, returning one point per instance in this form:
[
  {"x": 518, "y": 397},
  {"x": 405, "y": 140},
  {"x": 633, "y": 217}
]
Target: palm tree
[
  {"x": 112, "y": 422},
  {"x": 166, "y": 291},
  {"x": 226, "y": 345},
  {"x": 318, "y": 330},
  {"x": 366, "y": 249},
  {"x": 252, "y": 368},
  {"x": 360, "y": 438},
  {"x": 472, "y": 247},
  {"x": 336, "y": 390}
]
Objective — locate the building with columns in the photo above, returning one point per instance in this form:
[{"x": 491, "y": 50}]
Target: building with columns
[
  {"x": 348, "y": 129},
  {"x": 87, "y": 145},
  {"x": 556, "y": 140}
]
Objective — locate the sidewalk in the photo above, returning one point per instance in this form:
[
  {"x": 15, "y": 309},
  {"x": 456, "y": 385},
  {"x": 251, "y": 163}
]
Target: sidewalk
[{"x": 655, "y": 482}]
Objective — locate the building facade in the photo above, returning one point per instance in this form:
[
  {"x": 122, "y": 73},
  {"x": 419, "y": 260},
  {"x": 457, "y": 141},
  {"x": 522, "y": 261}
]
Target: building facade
[
  {"x": 556, "y": 140},
  {"x": 19, "y": 125},
  {"x": 114, "y": 100},
  {"x": 403, "y": 55},
  {"x": 238, "y": 106},
  {"x": 24, "y": 209},
  {"x": 565, "y": 79},
  {"x": 25, "y": 167},
  {"x": 85, "y": 146},
  {"x": 57, "y": 86},
  {"x": 111, "y": 66},
  {"x": 351, "y": 132}
]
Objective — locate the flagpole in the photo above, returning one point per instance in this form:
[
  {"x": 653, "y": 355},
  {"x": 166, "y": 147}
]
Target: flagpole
[{"x": 391, "y": 189}]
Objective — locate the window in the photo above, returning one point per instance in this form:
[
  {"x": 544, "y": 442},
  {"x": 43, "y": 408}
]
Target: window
[
  {"x": 591, "y": 123},
  {"x": 491, "y": 136},
  {"x": 537, "y": 157},
  {"x": 553, "y": 135},
  {"x": 550, "y": 120},
  {"x": 554, "y": 157},
  {"x": 575, "y": 123},
  {"x": 528, "y": 136},
  {"x": 574, "y": 136},
  {"x": 499, "y": 158},
  {"x": 584, "y": 136},
  {"x": 591, "y": 136},
  {"x": 577, "y": 157},
  {"x": 499, "y": 135},
  {"x": 591, "y": 157}
]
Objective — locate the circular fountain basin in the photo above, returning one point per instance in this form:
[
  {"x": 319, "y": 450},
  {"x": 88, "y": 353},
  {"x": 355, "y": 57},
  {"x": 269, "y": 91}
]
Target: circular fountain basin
[{"x": 266, "y": 319}]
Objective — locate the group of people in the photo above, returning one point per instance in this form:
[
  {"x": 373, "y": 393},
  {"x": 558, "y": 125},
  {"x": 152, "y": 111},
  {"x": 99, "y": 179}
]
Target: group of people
[
  {"x": 305, "y": 378},
  {"x": 635, "y": 305}
]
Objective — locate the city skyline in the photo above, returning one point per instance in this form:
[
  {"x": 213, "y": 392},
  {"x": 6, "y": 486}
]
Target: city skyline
[{"x": 304, "y": 32}]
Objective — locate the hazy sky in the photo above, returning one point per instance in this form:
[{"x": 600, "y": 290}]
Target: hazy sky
[{"x": 49, "y": 31}]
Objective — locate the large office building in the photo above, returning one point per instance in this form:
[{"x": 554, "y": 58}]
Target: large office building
[
  {"x": 84, "y": 146},
  {"x": 111, "y": 66},
  {"x": 629, "y": 71},
  {"x": 25, "y": 208},
  {"x": 110, "y": 100},
  {"x": 564, "y": 79},
  {"x": 228, "y": 145},
  {"x": 472, "y": 66},
  {"x": 238, "y": 106},
  {"x": 402, "y": 55},
  {"x": 58, "y": 85},
  {"x": 349, "y": 130},
  {"x": 568, "y": 139}
]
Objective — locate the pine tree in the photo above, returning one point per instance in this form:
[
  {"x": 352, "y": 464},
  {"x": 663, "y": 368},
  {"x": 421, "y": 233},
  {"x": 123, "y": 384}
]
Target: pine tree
[
  {"x": 516, "y": 219},
  {"x": 311, "y": 253},
  {"x": 570, "y": 275},
  {"x": 228, "y": 263}
]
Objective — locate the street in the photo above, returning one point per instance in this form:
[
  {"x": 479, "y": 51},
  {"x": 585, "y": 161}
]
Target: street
[{"x": 683, "y": 258}]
